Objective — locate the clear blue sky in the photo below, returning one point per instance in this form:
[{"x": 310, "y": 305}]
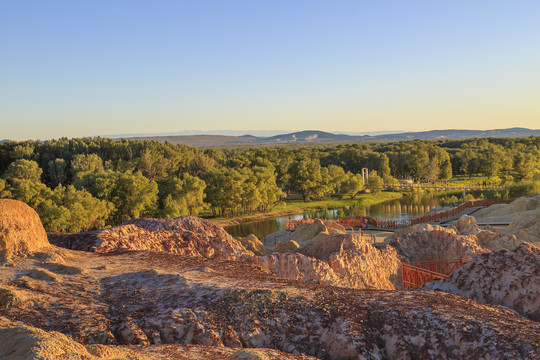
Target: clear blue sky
[{"x": 83, "y": 68}]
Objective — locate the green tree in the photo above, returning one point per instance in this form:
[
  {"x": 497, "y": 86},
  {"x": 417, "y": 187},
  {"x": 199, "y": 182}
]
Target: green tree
[
  {"x": 132, "y": 194},
  {"x": 57, "y": 172},
  {"x": 525, "y": 164},
  {"x": 29, "y": 192},
  {"x": 4, "y": 192},
  {"x": 353, "y": 184},
  {"x": 182, "y": 196},
  {"x": 86, "y": 164},
  {"x": 23, "y": 170},
  {"x": 491, "y": 160},
  {"x": 72, "y": 210},
  {"x": 307, "y": 179},
  {"x": 375, "y": 183},
  {"x": 417, "y": 164},
  {"x": 23, "y": 151},
  {"x": 336, "y": 177},
  {"x": 470, "y": 164}
]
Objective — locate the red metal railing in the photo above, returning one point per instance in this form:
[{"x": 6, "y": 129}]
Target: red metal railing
[
  {"x": 365, "y": 222},
  {"x": 418, "y": 273}
]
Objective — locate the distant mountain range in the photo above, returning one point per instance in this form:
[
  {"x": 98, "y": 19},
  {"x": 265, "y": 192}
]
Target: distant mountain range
[{"x": 314, "y": 136}]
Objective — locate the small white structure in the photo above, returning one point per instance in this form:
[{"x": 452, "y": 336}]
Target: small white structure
[{"x": 365, "y": 175}]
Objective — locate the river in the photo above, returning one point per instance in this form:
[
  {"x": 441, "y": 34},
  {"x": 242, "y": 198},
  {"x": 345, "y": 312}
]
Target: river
[{"x": 404, "y": 208}]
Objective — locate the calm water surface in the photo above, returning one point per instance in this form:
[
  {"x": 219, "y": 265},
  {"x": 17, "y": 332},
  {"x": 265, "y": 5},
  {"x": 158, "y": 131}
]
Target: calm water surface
[{"x": 404, "y": 208}]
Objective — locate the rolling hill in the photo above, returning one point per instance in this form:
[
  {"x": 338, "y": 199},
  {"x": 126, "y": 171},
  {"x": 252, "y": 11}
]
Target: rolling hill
[{"x": 315, "y": 136}]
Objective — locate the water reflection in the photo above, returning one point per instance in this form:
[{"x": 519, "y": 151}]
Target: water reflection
[
  {"x": 265, "y": 227},
  {"x": 400, "y": 209}
]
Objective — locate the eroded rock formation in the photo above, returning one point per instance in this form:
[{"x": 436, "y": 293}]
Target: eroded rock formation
[
  {"x": 502, "y": 277},
  {"x": 433, "y": 242},
  {"x": 188, "y": 235},
  {"x": 309, "y": 233},
  {"x": 488, "y": 238},
  {"x": 189, "y": 283},
  {"x": 21, "y": 231},
  {"x": 152, "y": 299},
  {"x": 338, "y": 259},
  {"x": 522, "y": 213}
]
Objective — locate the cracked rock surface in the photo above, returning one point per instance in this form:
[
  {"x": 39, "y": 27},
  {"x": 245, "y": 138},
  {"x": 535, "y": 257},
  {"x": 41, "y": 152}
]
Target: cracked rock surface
[
  {"x": 502, "y": 277},
  {"x": 183, "y": 288}
]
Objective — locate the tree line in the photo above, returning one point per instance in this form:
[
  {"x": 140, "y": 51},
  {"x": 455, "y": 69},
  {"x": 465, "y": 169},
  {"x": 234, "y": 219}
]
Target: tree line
[{"x": 82, "y": 184}]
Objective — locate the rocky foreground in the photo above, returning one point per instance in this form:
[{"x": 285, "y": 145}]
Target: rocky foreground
[{"x": 59, "y": 303}]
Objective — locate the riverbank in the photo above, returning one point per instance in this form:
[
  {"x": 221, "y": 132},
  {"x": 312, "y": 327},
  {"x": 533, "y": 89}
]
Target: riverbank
[
  {"x": 296, "y": 207},
  {"x": 255, "y": 217}
]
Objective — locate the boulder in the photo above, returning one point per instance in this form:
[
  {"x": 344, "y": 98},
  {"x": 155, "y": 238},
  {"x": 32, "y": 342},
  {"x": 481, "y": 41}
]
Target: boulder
[
  {"x": 502, "y": 277},
  {"x": 285, "y": 247},
  {"x": 21, "y": 231},
  {"x": 253, "y": 244},
  {"x": 488, "y": 238}
]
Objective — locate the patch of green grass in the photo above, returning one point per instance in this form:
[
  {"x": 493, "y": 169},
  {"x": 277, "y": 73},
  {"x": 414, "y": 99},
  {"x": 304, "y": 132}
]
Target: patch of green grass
[
  {"x": 336, "y": 203},
  {"x": 464, "y": 180}
]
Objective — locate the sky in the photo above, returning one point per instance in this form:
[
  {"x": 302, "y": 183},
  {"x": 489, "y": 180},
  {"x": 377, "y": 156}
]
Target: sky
[{"x": 86, "y": 68}]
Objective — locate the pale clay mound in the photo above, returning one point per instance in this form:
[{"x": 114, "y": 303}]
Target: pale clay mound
[
  {"x": 502, "y": 277},
  {"x": 253, "y": 244},
  {"x": 523, "y": 213},
  {"x": 305, "y": 233},
  {"x": 329, "y": 256},
  {"x": 432, "y": 242},
  {"x": 492, "y": 239},
  {"x": 21, "y": 231},
  {"x": 345, "y": 260},
  {"x": 188, "y": 235}
]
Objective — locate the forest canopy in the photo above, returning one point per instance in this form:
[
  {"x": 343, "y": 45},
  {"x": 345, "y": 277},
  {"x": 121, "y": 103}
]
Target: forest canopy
[{"x": 88, "y": 183}]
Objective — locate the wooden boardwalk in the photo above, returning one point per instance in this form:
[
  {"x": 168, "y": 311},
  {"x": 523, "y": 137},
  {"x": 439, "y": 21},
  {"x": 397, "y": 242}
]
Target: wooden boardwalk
[{"x": 468, "y": 211}]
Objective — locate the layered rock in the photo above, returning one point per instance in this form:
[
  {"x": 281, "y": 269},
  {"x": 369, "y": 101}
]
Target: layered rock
[
  {"x": 432, "y": 242},
  {"x": 522, "y": 213},
  {"x": 338, "y": 259},
  {"x": 188, "y": 235},
  {"x": 502, "y": 277},
  {"x": 492, "y": 239},
  {"x": 21, "y": 231}
]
